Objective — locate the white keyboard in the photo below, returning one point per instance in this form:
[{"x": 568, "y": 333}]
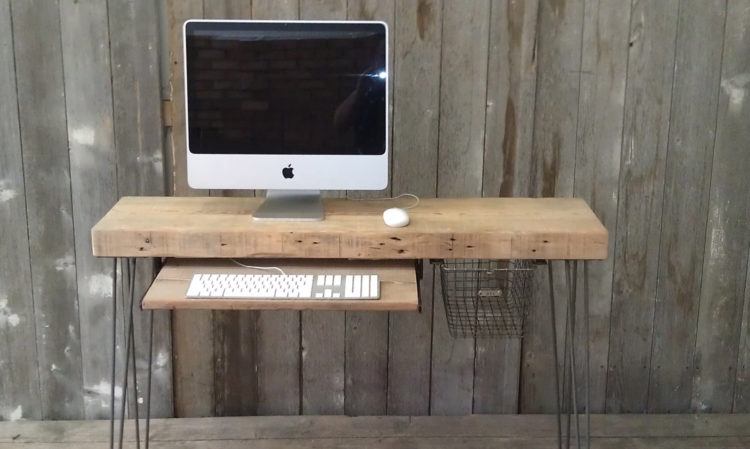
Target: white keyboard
[{"x": 284, "y": 286}]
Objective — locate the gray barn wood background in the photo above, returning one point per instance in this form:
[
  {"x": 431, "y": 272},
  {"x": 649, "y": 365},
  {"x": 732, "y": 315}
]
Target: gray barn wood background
[{"x": 641, "y": 107}]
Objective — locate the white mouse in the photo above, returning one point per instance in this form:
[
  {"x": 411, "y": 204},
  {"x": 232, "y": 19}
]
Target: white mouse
[{"x": 396, "y": 217}]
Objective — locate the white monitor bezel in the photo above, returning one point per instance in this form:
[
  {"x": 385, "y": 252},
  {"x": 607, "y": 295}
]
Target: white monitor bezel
[{"x": 311, "y": 172}]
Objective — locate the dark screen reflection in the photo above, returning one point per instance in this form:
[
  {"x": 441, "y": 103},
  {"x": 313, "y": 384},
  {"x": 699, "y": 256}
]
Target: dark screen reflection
[{"x": 314, "y": 90}]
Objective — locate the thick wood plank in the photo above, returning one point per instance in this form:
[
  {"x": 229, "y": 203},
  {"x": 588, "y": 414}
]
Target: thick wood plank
[
  {"x": 88, "y": 98},
  {"x": 417, "y": 37},
  {"x": 534, "y": 428},
  {"x": 511, "y": 80},
  {"x": 322, "y": 9},
  {"x": 511, "y": 88},
  {"x": 278, "y": 333},
  {"x": 192, "y": 331},
  {"x": 138, "y": 138},
  {"x": 728, "y": 233},
  {"x": 606, "y": 30},
  {"x": 425, "y": 443},
  {"x": 686, "y": 191},
  {"x": 323, "y": 334},
  {"x": 178, "y": 11},
  {"x": 275, "y": 9},
  {"x": 227, "y": 9},
  {"x": 367, "y": 332},
  {"x": 19, "y": 380},
  {"x": 506, "y": 228},
  {"x": 235, "y": 333},
  {"x": 41, "y": 104},
  {"x": 636, "y": 246},
  {"x": 558, "y": 55},
  {"x": 463, "y": 93}
]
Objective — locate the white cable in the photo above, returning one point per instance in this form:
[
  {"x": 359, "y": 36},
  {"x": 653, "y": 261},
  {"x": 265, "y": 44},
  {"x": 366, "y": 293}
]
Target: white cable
[
  {"x": 258, "y": 268},
  {"x": 410, "y": 195}
]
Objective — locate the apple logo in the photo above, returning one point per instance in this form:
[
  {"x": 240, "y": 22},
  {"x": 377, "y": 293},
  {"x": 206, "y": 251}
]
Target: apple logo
[{"x": 288, "y": 172}]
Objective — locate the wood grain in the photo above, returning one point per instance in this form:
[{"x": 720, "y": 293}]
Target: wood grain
[
  {"x": 728, "y": 231},
  {"x": 88, "y": 101},
  {"x": 41, "y": 100},
  {"x": 19, "y": 391},
  {"x": 648, "y": 98},
  {"x": 741, "y": 400},
  {"x": 279, "y": 335},
  {"x": 558, "y": 56},
  {"x": 398, "y": 285},
  {"x": 417, "y": 31},
  {"x": 521, "y": 228},
  {"x": 323, "y": 334},
  {"x": 686, "y": 192},
  {"x": 600, "y": 127},
  {"x": 192, "y": 331},
  {"x": 236, "y": 361},
  {"x": 496, "y": 431},
  {"x": 367, "y": 332},
  {"x": 138, "y": 140},
  {"x": 511, "y": 80},
  {"x": 463, "y": 92}
]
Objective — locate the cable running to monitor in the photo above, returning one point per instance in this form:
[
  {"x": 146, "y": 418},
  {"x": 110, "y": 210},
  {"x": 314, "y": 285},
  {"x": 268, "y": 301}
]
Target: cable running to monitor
[
  {"x": 258, "y": 268},
  {"x": 410, "y": 195}
]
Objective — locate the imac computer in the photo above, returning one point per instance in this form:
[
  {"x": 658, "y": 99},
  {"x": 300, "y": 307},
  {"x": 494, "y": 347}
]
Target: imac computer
[{"x": 293, "y": 107}]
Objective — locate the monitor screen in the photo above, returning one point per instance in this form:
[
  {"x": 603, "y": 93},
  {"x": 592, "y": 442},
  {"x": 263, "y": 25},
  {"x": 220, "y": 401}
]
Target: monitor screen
[{"x": 286, "y": 88}]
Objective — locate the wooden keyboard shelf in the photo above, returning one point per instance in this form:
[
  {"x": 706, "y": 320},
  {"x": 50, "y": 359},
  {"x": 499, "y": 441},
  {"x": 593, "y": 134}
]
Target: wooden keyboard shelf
[{"x": 398, "y": 285}]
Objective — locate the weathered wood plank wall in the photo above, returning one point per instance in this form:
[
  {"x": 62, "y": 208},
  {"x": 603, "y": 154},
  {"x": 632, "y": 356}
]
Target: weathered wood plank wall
[
  {"x": 639, "y": 107},
  {"x": 81, "y": 125}
]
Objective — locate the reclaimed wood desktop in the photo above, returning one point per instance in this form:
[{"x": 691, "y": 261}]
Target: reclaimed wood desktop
[
  {"x": 482, "y": 228},
  {"x": 177, "y": 228}
]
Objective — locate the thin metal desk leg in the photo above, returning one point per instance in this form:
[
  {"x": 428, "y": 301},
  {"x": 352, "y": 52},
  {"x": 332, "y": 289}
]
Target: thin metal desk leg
[
  {"x": 571, "y": 278},
  {"x": 551, "y": 278},
  {"x": 114, "y": 357},
  {"x": 156, "y": 267},
  {"x": 130, "y": 346},
  {"x": 150, "y": 364},
  {"x": 586, "y": 313},
  {"x": 566, "y": 378},
  {"x": 133, "y": 354}
]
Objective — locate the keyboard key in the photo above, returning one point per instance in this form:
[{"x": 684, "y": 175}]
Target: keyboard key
[
  {"x": 349, "y": 286},
  {"x": 365, "y": 286}
]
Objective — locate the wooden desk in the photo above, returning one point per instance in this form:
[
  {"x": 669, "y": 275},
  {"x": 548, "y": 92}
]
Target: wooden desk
[
  {"x": 481, "y": 228},
  {"x": 477, "y": 228}
]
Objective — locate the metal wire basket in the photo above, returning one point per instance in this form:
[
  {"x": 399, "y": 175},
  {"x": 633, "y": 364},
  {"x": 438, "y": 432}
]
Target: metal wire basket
[{"x": 486, "y": 298}]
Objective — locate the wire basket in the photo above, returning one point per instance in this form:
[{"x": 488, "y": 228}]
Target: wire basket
[{"x": 486, "y": 298}]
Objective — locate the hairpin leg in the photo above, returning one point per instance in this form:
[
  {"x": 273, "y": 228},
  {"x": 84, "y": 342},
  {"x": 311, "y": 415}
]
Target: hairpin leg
[
  {"x": 586, "y": 313},
  {"x": 570, "y": 276},
  {"x": 130, "y": 346},
  {"x": 114, "y": 357},
  {"x": 566, "y": 365},
  {"x": 551, "y": 278},
  {"x": 133, "y": 354},
  {"x": 150, "y": 373}
]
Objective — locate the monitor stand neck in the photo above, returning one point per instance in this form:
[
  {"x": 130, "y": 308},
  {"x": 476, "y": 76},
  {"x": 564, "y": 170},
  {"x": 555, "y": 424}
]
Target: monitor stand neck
[{"x": 291, "y": 205}]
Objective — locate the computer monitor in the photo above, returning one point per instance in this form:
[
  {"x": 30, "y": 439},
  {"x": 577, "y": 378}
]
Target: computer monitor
[{"x": 291, "y": 106}]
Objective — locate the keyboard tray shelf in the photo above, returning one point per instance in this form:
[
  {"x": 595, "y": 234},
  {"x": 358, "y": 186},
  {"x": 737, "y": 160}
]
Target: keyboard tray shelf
[{"x": 398, "y": 285}]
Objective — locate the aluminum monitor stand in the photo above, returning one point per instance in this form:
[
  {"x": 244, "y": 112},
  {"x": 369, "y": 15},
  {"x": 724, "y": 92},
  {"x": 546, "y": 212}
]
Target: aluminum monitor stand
[{"x": 291, "y": 205}]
